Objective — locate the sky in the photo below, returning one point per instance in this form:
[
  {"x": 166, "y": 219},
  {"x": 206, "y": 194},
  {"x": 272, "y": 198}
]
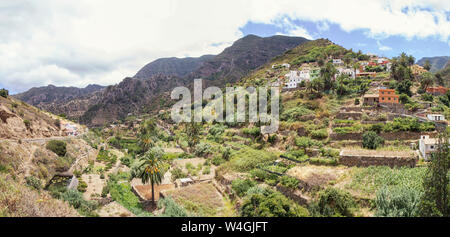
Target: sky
[{"x": 82, "y": 42}]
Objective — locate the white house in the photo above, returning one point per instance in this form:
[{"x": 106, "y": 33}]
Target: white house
[
  {"x": 427, "y": 146},
  {"x": 338, "y": 61},
  {"x": 285, "y": 65},
  {"x": 296, "y": 77},
  {"x": 436, "y": 117},
  {"x": 347, "y": 71}
]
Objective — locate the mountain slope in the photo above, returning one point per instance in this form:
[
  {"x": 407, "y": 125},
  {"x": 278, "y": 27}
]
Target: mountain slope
[
  {"x": 437, "y": 63},
  {"x": 135, "y": 95},
  {"x": 243, "y": 56},
  {"x": 71, "y": 101},
  {"x": 177, "y": 67}
]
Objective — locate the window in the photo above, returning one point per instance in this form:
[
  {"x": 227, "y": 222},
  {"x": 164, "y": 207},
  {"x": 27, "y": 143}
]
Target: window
[
  {"x": 432, "y": 147},
  {"x": 389, "y": 98}
]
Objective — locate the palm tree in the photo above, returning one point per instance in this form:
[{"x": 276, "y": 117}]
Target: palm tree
[
  {"x": 149, "y": 168},
  {"x": 148, "y": 133}
]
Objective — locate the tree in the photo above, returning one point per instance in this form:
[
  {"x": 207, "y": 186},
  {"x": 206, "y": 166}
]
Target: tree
[
  {"x": 371, "y": 140},
  {"x": 147, "y": 134},
  {"x": 327, "y": 74},
  {"x": 333, "y": 202},
  {"x": 192, "y": 130},
  {"x": 400, "y": 69},
  {"x": 427, "y": 65},
  {"x": 149, "y": 168},
  {"x": 439, "y": 79},
  {"x": 435, "y": 200},
  {"x": 4, "y": 93},
  {"x": 426, "y": 80}
]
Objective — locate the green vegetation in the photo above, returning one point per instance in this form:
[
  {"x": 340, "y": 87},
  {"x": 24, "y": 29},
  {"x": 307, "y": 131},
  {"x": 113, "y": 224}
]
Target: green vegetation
[
  {"x": 4, "y": 93},
  {"x": 333, "y": 202},
  {"x": 58, "y": 147},
  {"x": 371, "y": 140},
  {"x": 241, "y": 186},
  {"x": 150, "y": 168},
  {"x": 289, "y": 182},
  {"x": 269, "y": 203},
  {"x": 33, "y": 182},
  {"x": 369, "y": 180},
  {"x": 397, "y": 202},
  {"x": 247, "y": 159},
  {"x": 171, "y": 208},
  {"x": 435, "y": 200}
]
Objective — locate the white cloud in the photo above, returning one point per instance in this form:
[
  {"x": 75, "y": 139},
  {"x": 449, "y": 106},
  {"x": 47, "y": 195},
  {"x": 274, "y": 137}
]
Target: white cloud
[
  {"x": 77, "y": 42},
  {"x": 383, "y": 47}
]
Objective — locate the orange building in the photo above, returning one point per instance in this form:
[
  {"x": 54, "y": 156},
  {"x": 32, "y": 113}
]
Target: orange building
[
  {"x": 387, "y": 96},
  {"x": 437, "y": 90}
]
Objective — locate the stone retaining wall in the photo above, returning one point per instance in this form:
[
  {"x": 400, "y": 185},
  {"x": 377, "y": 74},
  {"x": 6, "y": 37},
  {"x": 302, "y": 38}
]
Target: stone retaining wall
[
  {"x": 376, "y": 160},
  {"x": 387, "y": 136},
  {"x": 347, "y": 115}
]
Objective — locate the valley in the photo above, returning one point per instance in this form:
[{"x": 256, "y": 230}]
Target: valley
[{"x": 356, "y": 135}]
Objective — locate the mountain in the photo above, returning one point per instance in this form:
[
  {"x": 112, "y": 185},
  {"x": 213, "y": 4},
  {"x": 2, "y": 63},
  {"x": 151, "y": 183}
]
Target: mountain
[
  {"x": 437, "y": 63},
  {"x": 295, "y": 57},
  {"x": 149, "y": 90},
  {"x": 243, "y": 56},
  {"x": 177, "y": 67},
  {"x": 67, "y": 100}
]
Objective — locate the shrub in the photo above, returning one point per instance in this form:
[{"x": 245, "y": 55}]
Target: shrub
[
  {"x": 271, "y": 204},
  {"x": 371, "y": 140},
  {"x": 172, "y": 209},
  {"x": 241, "y": 186},
  {"x": 217, "y": 160},
  {"x": 27, "y": 123},
  {"x": 4, "y": 93},
  {"x": 289, "y": 182},
  {"x": 58, "y": 123},
  {"x": 319, "y": 134},
  {"x": 334, "y": 202},
  {"x": 33, "y": 182},
  {"x": 58, "y": 147},
  {"x": 397, "y": 201},
  {"x": 75, "y": 199},
  {"x": 247, "y": 159},
  {"x": 202, "y": 149},
  {"x": 357, "y": 101}
]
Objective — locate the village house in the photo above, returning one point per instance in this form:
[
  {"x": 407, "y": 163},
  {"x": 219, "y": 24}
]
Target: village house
[
  {"x": 384, "y": 96},
  {"x": 338, "y": 62},
  {"x": 387, "y": 96},
  {"x": 371, "y": 99},
  {"x": 285, "y": 65},
  {"x": 347, "y": 71},
  {"x": 296, "y": 77},
  {"x": 427, "y": 146},
  {"x": 436, "y": 91},
  {"x": 436, "y": 117}
]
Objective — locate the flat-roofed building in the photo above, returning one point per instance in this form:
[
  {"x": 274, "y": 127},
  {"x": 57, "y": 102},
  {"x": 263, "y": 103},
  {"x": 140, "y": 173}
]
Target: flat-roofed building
[{"x": 387, "y": 96}]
